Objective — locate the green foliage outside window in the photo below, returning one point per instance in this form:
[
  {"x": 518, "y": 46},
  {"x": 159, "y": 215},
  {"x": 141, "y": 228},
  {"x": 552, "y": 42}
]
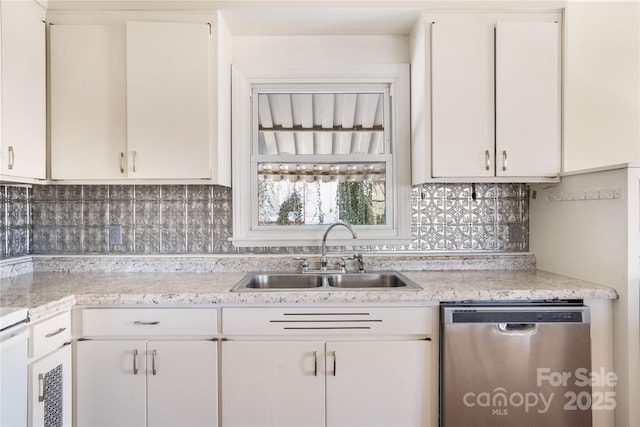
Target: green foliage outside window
[
  {"x": 357, "y": 204},
  {"x": 290, "y": 212}
]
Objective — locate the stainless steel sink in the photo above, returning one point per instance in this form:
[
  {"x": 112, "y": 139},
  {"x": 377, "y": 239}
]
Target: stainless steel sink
[
  {"x": 384, "y": 280},
  {"x": 264, "y": 281},
  {"x": 369, "y": 280}
]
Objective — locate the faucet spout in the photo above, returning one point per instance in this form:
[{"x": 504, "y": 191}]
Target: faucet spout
[{"x": 323, "y": 257}]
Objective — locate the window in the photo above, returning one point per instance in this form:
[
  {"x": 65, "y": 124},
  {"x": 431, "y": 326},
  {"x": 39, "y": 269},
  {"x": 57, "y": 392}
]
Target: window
[
  {"x": 321, "y": 155},
  {"x": 314, "y": 146}
]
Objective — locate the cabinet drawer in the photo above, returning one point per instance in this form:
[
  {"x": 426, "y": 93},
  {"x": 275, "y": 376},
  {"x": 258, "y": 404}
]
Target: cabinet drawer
[
  {"x": 49, "y": 334},
  {"x": 413, "y": 321},
  {"x": 149, "y": 322}
]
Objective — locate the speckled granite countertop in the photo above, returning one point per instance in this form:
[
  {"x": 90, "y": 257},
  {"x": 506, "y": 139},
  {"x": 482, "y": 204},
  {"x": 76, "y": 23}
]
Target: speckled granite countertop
[{"x": 47, "y": 292}]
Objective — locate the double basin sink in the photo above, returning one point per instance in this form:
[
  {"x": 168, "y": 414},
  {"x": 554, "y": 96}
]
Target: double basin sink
[{"x": 384, "y": 280}]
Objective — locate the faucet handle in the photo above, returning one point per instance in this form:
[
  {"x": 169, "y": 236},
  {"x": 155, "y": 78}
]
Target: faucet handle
[
  {"x": 360, "y": 260},
  {"x": 305, "y": 263},
  {"x": 343, "y": 264}
]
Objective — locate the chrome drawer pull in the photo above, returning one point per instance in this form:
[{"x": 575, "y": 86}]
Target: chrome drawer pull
[
  {"x": 153, "y": 322},
  {"x": 487, "y": 160},
  {"x": 504, "y": 160},
  {"x": 153, "y": 362},
  {"x": 54, "y": 333}
]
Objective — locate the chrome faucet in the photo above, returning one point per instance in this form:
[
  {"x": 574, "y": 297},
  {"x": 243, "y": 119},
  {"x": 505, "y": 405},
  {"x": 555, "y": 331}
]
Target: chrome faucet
[{"x": 323, "y": 257}]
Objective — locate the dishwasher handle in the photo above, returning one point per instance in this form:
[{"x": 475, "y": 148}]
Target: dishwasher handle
[{"x": 518, "y": 328}]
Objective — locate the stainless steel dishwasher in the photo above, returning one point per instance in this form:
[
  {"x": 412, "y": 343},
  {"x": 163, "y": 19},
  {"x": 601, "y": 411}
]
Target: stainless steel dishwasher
[{"x": 524, "y": 365}]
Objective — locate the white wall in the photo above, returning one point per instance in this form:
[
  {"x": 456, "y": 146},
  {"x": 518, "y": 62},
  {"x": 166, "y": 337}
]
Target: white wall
[
  {"x": 602, "y": 86},
  {"x": 321, "y": 50},
  {"x": 598, "y": 241}
]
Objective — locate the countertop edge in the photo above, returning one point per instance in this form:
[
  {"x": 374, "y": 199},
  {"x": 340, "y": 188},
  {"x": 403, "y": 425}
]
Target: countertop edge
[{"x": 45, "y": 294}]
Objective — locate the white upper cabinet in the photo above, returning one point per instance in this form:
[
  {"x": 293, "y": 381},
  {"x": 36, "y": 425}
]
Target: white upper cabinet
[
  {"x": 88, "y": 95},
  {"x": 462, "y": 96},
  {"x": 22, "y": 92},
  {"x": 527, "y": 99},
  {"x": 168, "y": 96},
  {"x": 493, "y": 98},
  {"x": 133, "y": 101}
]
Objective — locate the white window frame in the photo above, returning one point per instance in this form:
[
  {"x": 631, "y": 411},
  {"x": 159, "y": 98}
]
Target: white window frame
[{"x": 245, "y": 78}]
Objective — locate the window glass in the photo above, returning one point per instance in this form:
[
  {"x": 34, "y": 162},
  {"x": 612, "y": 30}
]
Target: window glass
[
  {"x": 312, "y": 194},
  {"x": 321, "y": 155},
  {"x": 321, "y": 123}
]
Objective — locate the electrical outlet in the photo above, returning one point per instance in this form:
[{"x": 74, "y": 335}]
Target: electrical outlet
[
  {"x": 516, "y": 233},
  {"x": 115, "y": 235}
]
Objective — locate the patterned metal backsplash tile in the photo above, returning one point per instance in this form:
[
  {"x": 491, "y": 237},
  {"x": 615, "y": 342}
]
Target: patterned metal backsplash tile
[
  {"x": 197, "y": 219},
  {"x": 15, "y": 221}
]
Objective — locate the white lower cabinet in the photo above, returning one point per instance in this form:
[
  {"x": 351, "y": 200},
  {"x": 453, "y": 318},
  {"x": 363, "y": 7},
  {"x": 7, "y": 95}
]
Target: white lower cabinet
[
  {"x": 50, "y": 370},
  {"x": 381, "y": 383},
  {"x": 329, "y": 366},
  {"x": 316, "y": 383},
  {"x": 146, "y": 367},
  {"x": 50, "y": 391},
  {"x": 278, "y": 366},
  {"x": 110, "y": 383},
  {"x": 182, "y": 383},
  {"x": 152, "y": 383},
  {"x": 272, "y": 383}
]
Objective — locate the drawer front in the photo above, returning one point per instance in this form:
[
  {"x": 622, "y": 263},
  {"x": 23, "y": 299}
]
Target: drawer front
[
  {"x": 149, "y": 322},
  {"x": 405, "y": 321},
  {"x": 50, "y": 334}
]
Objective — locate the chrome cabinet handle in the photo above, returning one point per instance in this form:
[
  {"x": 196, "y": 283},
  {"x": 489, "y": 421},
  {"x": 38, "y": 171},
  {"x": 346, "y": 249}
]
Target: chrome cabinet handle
[
  {"x": 334, "y": 363},
  {"x": 54, "y": 333},
  {"x": 315, "y": 363},
  {"x": 40, "y": 387},
  {"x": 11, "y": 157},
  {"x": 135, "y": 362},
  {"x": 121, "y": 162},
  {"x": 487, "y": 160},
  {"x": 134, "y": 155},
  {"x": 140, "y": 322},
  {"x": 153, "y": 362},
  {"x": 504, "y": 160}
]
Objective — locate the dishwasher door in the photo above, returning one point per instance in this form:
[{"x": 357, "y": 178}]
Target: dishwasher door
[
  {"x": 524, "y": 366},
  {"x": 13, "y": 367}
]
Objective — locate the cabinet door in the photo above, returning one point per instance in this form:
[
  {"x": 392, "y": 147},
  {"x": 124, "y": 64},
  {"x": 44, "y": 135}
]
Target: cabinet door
[
  {"x": 462, "y": 91},
  {"x": 110, "y": 383},
  {"x": 50, "y": 389},
  {"x": 168, "y": 95},
  {"x": 88, "y": 99},
  {"x": 378, "y": 383},
  {"x": 23, "y": 90},
  {"x": 272, "y": 383},
  {"x": 182, "y": 383},
  {"x": 527, "y": 99}
]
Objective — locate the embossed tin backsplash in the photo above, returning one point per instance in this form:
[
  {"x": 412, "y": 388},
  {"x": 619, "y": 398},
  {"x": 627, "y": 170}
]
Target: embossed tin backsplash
[
  {"x": 197, "y": 219},
  {"x": 15, "y": 221}
]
